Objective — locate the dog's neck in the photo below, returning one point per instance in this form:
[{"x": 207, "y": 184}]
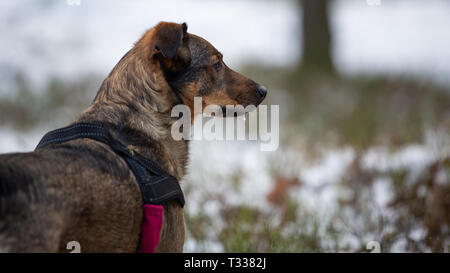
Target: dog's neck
[{"x": 137, "y": 101}]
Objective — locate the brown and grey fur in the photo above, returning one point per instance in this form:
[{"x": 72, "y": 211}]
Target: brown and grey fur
[{"x": 81, "y": 190}]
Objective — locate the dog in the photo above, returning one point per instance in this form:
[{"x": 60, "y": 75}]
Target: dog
[{"x": 81, "y": 190}]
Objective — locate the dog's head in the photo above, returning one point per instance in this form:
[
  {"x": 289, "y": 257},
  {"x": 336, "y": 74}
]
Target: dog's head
[{"x": 192, "y": 68}]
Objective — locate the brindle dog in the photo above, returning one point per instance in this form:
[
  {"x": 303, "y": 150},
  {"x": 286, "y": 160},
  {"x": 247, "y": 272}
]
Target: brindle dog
[{"x": 81, "y": 190}]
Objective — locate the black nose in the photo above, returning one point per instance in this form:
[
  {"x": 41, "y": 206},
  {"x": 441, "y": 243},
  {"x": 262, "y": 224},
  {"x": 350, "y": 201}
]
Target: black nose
[{"x": 261, "y": 91}]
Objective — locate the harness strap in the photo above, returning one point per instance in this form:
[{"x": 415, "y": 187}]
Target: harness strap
[{"x": 157, "y": 186}]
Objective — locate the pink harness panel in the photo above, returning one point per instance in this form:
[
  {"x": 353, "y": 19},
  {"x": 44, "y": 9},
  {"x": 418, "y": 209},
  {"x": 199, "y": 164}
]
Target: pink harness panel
[{"x": 151, "y": 227}]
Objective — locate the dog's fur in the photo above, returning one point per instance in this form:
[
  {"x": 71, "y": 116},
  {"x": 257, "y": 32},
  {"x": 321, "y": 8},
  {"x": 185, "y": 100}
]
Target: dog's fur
[{"x": 81, "y": 190}]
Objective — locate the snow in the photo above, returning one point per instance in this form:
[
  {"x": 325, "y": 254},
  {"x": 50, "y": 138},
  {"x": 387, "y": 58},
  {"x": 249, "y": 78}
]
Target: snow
[{"x": 399, "y": 37}]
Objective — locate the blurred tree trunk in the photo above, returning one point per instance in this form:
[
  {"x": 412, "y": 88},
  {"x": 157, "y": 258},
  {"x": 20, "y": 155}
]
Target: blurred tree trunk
[{"x": 316, "y": 36}]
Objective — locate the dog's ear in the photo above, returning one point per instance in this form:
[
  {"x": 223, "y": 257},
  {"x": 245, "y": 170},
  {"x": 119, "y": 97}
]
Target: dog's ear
[
  {"x": 170, "y": 48},
  {"x": 168, "y": 38}
]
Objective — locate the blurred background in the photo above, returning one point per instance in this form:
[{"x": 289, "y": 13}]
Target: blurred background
[{"x": 364, "y": 94}]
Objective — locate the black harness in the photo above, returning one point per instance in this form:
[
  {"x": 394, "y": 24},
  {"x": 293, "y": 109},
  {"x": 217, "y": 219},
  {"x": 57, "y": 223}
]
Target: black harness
[{"x": 157, "y": 186}]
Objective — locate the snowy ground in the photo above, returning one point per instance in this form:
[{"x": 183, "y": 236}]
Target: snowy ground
[
  {"x": 209, "y": 169},
  {"x": 210, "y": 164}
]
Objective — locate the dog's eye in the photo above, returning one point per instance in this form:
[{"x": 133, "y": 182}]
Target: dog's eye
[{"x": 218, "y": 66}]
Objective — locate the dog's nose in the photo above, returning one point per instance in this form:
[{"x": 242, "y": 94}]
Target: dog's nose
[{"x": 261, "y": 91}]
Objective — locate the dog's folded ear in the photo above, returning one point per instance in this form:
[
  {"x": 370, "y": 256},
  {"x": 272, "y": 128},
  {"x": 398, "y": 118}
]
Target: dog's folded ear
[{"x": 168, "y": 38}]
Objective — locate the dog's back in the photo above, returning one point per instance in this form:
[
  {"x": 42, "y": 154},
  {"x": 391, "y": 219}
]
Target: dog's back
[
  {"x": 25, "y": 218},
  {"x": 52, "y": 195}
]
